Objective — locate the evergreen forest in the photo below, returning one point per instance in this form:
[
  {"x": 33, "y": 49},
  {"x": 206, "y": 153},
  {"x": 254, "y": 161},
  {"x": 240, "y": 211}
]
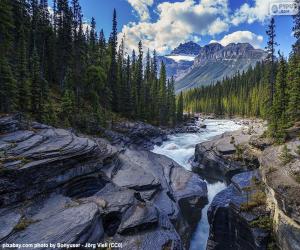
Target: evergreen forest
[{"x": 56, "y": 71}]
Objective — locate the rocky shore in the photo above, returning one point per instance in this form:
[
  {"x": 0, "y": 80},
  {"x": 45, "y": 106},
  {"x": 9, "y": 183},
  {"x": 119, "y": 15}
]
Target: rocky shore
[
  {"x": 57, "y": 186},
  {"x": 260, "y": 207}
]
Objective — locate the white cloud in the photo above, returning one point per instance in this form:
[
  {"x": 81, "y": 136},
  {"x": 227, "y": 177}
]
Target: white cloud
[
  {"x": 141, "y": 7},
  {"x": 179, "y": 22},
  {"x": 259, "y": 11},
  {"x": 246, "y": 13},
  {"x": 241, "y": 37}
]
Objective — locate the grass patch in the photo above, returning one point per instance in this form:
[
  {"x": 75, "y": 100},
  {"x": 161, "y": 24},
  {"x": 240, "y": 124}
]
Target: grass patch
[
  {"x": 255, "y": 200},
  {"x": 286, "y": 156},
  {"x": 263, "y": 222},
  {"x": 271, "y": 170},
  {"x": 23, "y": 224},
  {"x": 239, "y": 151}
]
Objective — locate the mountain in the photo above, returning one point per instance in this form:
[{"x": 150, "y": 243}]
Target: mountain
[
  {"x": 189, "y": 48},
  {"x": 214, "y": 62},
  {"x": 180, "y": 59}
]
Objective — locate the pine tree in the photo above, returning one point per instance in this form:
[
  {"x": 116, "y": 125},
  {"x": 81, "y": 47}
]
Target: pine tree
[
  {"x": 294, "y": 88},
  {"x": 8, "y": 90},
  {"x": 294, "y": 74},
  {"x": 93, "y": 46},
  {"x": 39, "y": 90},
  {"x": 140, "y": 83},
  {"x": 113, "y": 69},
  {"x": 22, "y": 76},
  {"x": 271, "y": 45},
  {"x": 171, "y": 101},
  {"x": 102, "y": 49},
  {"x": 63, "y": 41},
  {"x": 133, "y": 83},
  {"x": 162, "y": 95},
  {"x": 296, "y": 31},
  {"x": 127, "y": 107},
  {"x": 67, "y": 107},
  {"x": 279, "y": 118},
  {"x": 154, "y": 90},
  {"x": 6, "y": 29},
  {"x": 179, "y": 112}
]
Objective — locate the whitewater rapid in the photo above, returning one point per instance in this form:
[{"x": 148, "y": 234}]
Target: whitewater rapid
[{"x": 181, "y": 148}]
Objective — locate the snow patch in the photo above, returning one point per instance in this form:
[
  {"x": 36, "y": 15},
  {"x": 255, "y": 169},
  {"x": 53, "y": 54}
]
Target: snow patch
[{"x": 178, "y": 58}]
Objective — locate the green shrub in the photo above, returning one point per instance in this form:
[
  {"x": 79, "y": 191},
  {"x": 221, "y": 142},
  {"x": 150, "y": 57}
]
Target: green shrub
[
  {"x": 23, "y": 224},
  {"x": 263, "y": 222},
  {"x": 255, "y": 200},
  {"x": 239, "y": 152},
  {"x": 286, "y": 156}
]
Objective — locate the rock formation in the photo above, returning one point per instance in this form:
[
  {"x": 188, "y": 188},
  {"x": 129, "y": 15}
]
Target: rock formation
[{"x": 58, "y": 187}]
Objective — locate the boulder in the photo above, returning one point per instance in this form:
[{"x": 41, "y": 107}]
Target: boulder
[
  {"x": 230, "y": 225},
  {"x": 140, "y": 134},
  {"x": 73, "y": 225},
  {"x": 225, "y": 155}
]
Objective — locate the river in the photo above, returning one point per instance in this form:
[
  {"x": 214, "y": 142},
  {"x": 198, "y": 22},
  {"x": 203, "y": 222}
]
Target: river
[{"x": 180, "y": 148}]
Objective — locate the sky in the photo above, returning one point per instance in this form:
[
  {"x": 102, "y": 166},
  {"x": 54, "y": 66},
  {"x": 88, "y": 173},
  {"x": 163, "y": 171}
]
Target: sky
[{"x": 163, "y": 25}]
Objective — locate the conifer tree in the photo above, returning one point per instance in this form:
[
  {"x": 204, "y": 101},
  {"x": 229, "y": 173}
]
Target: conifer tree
[
  {"x": 296, "y": 31},
  {"x": 126, "y": 92},
  {"x": 22, "y": 75},
  {"x": 113, "y": 69},
  {"x": 294, "y": 74},
  {"x": 39, "y": 90},
  {"x": 180, "y": 108},
  {"x": 139, "y": 82},
  {"x": 279, "y": 118},
  {"x": 294, "y": 88},
  {"x": 171, "y": 101},
  {"x": 271, "y": 45},
  {"x": 8, "y": 90},
  {"x": 162, "y": 95}
]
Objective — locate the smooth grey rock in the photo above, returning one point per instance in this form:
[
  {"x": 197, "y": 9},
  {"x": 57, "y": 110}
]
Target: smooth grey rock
[
  {"x": 8, "y": 221},
  {"x": 78, "y": 224},
  {"x": 137, "y": 217}
]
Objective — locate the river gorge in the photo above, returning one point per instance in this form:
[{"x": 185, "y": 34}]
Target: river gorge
[{"x": 181, "y": 148}]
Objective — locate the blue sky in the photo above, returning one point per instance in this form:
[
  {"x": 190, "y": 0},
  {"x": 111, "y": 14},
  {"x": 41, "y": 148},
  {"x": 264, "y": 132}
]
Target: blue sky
[{"x": 164, "y": 24}]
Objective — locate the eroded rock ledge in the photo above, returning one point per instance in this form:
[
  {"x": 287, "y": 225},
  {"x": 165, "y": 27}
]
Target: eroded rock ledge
[
  {"x": 241, "y": 222},
  {"x": 58, "y": 187},
  {"x": 228, "y": 154},
  {"x": 281, "y": 172}
]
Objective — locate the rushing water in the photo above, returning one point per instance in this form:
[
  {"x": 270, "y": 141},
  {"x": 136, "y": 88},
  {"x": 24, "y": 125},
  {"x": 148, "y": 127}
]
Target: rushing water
[{"x": 181, "y": 148}]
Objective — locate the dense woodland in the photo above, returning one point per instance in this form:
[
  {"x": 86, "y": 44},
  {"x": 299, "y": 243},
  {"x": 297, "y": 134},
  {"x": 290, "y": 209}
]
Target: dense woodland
[
  {"x": 56, "y": 71},
  {"x": 270, "y": 90}
]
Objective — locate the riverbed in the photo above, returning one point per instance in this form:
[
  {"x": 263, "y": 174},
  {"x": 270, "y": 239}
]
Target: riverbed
[{"x": 181, "y": 148}]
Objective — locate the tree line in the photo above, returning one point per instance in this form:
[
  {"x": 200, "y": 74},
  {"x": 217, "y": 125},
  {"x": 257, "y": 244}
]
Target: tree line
[
  {"x": 270, "y": 89},
  {"x": 57, "y": 71}
]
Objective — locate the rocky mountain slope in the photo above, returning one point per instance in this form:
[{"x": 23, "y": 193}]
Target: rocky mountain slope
[
  {"x": 215, "y": 62},
  {"x": 180, "y": 59},
  {"x": 59, "y": 187}
]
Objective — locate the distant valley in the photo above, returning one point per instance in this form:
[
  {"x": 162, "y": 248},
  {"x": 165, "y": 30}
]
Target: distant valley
[{"x": 193, "y": 66}]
